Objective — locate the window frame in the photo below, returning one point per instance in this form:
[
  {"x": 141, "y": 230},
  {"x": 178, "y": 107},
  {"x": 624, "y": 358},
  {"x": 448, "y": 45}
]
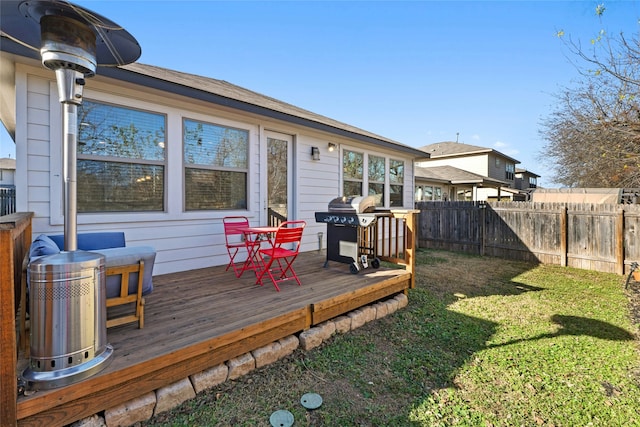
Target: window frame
[
  {"x": 198, "y": 166},
  {"x": 163, "y": 163},
  {"x": 510, "y": 171},
  {"x": 388, "y": 158},
  {"x": 350, "y": 179}
]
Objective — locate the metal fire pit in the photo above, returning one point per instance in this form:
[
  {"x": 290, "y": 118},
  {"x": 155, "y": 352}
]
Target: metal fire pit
[
  {"x": 68, "y": 312},
  {"x": 351, "y": 231}
]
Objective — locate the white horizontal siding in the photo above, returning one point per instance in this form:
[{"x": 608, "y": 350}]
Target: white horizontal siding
[
  {"x": 183, "y": 240},
  {"x": 38, "y": 147}
]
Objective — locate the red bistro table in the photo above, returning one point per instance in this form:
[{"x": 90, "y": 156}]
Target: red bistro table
[{"x": 254, "y": 237}]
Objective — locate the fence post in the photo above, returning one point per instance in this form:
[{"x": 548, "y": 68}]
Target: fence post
[
  {"x": 620, "y": 242},
  {"x": 411, "y": 235},
  {"x": 564, "y": 236},
  {"x": 483, "y": 235}
]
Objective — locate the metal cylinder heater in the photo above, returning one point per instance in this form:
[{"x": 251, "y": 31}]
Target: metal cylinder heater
[{"x": 68, "y": 319}]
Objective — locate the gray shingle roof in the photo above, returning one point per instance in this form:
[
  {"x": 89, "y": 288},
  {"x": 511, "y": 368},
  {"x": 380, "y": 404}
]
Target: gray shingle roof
[
  {"x": 452, "y": 149},
  {"x": 225, "y": 93},
  {"x": 8, "y": 163}
]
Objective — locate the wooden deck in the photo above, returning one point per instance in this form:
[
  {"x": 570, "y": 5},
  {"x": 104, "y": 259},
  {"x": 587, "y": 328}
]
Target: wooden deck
[{"x": 198, "y": 319}]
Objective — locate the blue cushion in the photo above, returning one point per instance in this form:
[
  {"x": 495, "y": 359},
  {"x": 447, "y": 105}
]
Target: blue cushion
[
  {"x": 43, "y": 245},
  {"x": 129, "y": 255},
  {"x": 91, "y": 241}
]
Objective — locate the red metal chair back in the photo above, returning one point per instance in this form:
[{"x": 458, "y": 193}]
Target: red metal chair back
[
  {"x": 277, "y": 261},
  {"x": 233, "y": 233},
  {"x": 233, "y": 225},
  {"x": 289, "y": 232}
]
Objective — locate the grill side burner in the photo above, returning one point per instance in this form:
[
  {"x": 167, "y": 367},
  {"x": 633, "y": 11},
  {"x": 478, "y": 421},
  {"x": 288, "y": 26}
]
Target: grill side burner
[{"x": 352, "y": 232}]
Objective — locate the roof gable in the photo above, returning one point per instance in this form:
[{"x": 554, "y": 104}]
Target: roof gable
[{"x": 458, "y": 149}]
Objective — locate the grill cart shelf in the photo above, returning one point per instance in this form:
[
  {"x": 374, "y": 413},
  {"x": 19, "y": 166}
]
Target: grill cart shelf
[{"x": 352, "y": 233}]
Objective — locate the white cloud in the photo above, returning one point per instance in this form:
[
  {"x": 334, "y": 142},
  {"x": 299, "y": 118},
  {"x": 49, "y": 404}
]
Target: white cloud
[
  {"x": 476, "y": 137},
  {"x": 504, "y": 148}
]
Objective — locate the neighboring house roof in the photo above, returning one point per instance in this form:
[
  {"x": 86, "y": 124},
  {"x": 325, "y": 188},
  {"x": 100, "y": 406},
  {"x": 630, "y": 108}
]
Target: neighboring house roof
[
  {"x": 457, "y": 149},
  {"x": 454, "y": 176},
  {"x": 524, "y": 171},
  {"x": 8, "y": 163}
]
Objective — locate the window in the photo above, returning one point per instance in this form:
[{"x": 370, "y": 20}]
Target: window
[
  {"x": 376, "y": 178},
  {"x": 510, "y": 171},
  {"x": 437, "y": 193},
  {"x": 426, "y": 193},
  {"x": 352, "y": 173},
  {"x": 215, "y": 166},
  {"x": 396, "y": 182},
  {"x": 121, "y": 159},
  {"x": 418, "y": 194},
  {"x": 533, "y": 182}
]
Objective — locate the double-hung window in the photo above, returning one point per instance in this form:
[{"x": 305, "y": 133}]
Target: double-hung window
[
  {"x": 510, "y": 171},
  {"x": 376, "y": 178},
  {"x": 120, "y": 159},
  {"x": 352, "y": 173},
  {"x": 215, "y": 166},
  {"x": 383, "y": 176},
  {"x": 396, "y": 182}
]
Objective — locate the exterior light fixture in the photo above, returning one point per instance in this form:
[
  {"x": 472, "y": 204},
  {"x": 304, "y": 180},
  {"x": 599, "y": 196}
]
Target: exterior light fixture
[
  {"x": 332, "y": 146},
  {"x": 315, "y": 153}
]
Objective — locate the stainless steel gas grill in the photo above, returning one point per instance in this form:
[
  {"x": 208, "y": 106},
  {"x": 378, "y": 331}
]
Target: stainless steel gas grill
[{"x": 351, "y": 231}]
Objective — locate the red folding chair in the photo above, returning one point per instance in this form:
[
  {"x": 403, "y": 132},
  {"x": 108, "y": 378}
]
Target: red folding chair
[
  {"x": 277, "y": 261},
  {"x": 235, "y": 239}
]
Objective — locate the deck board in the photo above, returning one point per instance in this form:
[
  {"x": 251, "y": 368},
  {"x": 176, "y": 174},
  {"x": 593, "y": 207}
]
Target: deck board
[{"x": 200, "y": 318}]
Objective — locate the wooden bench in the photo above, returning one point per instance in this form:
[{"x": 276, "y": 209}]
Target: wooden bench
[{"x": 125, "y": 298}]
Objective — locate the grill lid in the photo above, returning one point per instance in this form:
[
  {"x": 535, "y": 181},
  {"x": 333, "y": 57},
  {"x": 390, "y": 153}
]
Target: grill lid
[{"x": 353, "y": 204}]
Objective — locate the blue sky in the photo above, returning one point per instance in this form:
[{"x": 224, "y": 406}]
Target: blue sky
[{"x": 417, "y": 72}]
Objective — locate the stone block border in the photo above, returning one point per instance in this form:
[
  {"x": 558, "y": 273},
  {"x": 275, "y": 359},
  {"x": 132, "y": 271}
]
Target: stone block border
[{"x": 166, "y": 398}]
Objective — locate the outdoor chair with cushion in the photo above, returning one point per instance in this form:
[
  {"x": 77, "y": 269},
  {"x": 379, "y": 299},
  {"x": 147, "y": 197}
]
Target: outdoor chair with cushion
[{"x": 128, "y": 272}]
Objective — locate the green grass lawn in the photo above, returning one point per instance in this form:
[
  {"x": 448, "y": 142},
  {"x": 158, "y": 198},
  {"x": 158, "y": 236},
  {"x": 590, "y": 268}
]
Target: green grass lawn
[{"x": 483, "y": 342}]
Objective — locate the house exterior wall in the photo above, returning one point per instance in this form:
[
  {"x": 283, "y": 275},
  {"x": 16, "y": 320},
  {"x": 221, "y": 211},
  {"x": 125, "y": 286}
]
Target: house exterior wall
[
  {"x": 183, "y": 240},
  {"x": 523, "y": 180},
  {"x": 473, "y": 163},
  {"x": 490, "y": 165},
  {"x": 496, "y": 167},
  {"x": 7, "y": 177}
]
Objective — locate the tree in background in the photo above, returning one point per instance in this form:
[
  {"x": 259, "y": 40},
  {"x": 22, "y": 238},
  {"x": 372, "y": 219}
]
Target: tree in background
[{"x": 593, "y": 136}]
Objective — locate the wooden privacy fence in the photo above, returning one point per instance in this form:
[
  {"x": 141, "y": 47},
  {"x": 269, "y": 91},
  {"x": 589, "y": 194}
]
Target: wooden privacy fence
[{"x": 589, "y": 236}]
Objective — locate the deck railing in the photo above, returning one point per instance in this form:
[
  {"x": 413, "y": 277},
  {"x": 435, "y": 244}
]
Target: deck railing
[
  {"x": 397, "y": 237},
  {"x": 7, "y": 200},
  {"x": 15, "y": 237}
]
